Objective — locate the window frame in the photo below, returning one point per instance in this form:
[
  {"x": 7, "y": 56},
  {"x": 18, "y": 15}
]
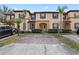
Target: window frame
[
  {"x": 42, "y": 17},
  {"x": 32, "y": 26},
  {"x": 55, "y": 15},
  {"x": 33, "y": 18},
  {"x": 76, "y": 26},
  {"x": 76, "y": 15},
  {"x": 21, "y": 15},
  {"x": 12, "y": 16},
  {"x": 53, "y": 26}
]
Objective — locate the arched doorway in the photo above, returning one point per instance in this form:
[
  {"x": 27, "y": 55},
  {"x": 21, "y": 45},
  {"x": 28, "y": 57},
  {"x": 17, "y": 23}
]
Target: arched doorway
[
  {"x": 43, "y": 26},
  {"x": 67, "y": 26}
]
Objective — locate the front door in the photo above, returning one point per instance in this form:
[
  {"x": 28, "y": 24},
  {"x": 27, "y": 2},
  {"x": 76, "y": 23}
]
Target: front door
[
  {"x": 43, "y": 26},
  {"x": 67, "y": 26}
]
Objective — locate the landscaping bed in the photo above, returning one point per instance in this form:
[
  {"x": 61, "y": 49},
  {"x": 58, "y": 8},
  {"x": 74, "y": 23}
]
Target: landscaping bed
[{"x": 67, "y": 41}]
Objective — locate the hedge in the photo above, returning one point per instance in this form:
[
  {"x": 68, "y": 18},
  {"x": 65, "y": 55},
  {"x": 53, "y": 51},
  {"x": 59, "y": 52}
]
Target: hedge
[
  {"x": 37, "y": 31},
  {"x": 25, "y": 31},
  {"x": 52, "y": 30},
  {"x": 66, "y": 31},
  {"x": 56, "y": 30}
]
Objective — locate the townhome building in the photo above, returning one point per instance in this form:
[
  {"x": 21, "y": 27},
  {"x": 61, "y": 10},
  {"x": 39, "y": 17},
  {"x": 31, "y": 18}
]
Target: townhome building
[
  {"x": 72, "y": 20},
  {"x": 45, "y": 20}
]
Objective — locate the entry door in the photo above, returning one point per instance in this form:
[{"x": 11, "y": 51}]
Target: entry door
[{"x": 43, "y": 27}]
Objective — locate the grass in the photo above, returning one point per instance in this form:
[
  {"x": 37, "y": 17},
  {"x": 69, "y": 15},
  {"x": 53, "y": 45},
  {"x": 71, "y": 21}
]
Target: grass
[
  {"x": 11, "y": 39},
  {"x": 8, "y": 40},
  {"x": 67, "y": 41}
]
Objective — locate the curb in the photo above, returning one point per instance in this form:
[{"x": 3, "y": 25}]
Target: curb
[{"x": 7, "y": 37}]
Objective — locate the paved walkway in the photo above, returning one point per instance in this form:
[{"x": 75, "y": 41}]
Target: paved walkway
[{"x": 37, "y": 44}]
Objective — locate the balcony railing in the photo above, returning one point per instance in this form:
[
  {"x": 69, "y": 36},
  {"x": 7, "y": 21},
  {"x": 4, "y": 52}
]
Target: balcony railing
[{"x": 66, "y": 21}]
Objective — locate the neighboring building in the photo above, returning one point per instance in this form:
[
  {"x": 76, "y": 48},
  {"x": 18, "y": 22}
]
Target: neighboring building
[
  {"x": 46, "y": 20},
  {"x": 72, "y": 20}
]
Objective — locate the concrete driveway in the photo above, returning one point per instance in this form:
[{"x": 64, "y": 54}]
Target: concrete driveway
[{"x": 37, "y": 44}]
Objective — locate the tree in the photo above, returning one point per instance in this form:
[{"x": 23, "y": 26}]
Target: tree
[
  {"x": 17, "y": 21},
  {"x": 4, "y": 10},
  {"x": 1, "y": 15},
  {"x": 25, "y": 14},
  {"x": 10, "y": 22},
  {"x": 61, "y": 11}
]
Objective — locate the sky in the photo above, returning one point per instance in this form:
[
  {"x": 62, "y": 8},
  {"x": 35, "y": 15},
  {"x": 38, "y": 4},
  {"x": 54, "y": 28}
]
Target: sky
[{"x": 41, "y": 7}]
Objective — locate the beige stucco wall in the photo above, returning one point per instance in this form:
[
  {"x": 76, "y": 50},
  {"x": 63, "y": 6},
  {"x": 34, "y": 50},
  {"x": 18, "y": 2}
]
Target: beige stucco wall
[
  {"x": 26, "y": 21},
  {"x": 40, "y": 22},
  {"x": 71, "y": 14},
  {"x": 73, "y": 21},
  {"x": 8, "y": 17},
  {"x": 17, "y": 14},
  {"x": 21, "y": 25},
  {"x": 27, "y": 25},
  {"x": 49, "y": 18}
]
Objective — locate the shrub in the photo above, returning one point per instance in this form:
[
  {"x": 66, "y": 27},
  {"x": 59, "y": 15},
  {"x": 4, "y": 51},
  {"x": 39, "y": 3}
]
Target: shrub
[
  {"x": 66, "y": 31},
  {"x": 61, "y": 31},
  {"x": 77, "y": 32},
  {"x": 37, "y": 31},
  {"x": 52, "y": 30},
  {"x": 25, "y": 31}
]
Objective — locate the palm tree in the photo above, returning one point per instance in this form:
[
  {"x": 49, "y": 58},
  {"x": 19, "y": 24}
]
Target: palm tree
[
  {"x": 25, "y": 14},
  {"x": 17, "y": 21},
  {"x": 61, "y": 11},
  {"x": 1, "y": 15},
  {"x": 3, "y": 10},
  {"x": 10, "y": 22}
]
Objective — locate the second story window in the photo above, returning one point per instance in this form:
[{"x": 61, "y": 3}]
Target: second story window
[
  {"x": 76, "y": 15},
  {"x": 21, "y": 15},
  {"x": 55, "y": 15},
  {"x": 33, "y": 16},
  {"x": 12, "y": 16},
  {"x": 42, "y": 15}
]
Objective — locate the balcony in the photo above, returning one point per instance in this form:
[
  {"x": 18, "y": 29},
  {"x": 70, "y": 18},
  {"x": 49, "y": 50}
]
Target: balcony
[{"x": 66, "y": 21}]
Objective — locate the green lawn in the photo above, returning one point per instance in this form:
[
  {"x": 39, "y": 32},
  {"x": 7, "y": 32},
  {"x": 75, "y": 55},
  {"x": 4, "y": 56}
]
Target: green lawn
[
  {"x": 11, "y": 39},
  {"x": 67, "y": 41},
  {"x": 8, "y": 40}
]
